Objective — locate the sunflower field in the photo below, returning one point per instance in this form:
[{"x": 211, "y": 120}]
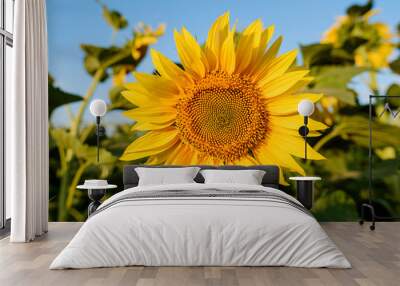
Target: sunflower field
[{"x": 232, "y": 100}]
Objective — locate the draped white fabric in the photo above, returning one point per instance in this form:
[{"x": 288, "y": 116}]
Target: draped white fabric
[{"x": 27, "y": 124}]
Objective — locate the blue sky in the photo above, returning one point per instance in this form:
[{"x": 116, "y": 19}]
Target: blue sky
[{"x": 71, "y": 23}]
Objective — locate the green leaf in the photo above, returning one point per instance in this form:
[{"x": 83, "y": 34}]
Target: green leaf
[
  {"x": 393, "y": 90},
  {"x": 334, "y": 80},
  {"x": 313, "y": 53},
  {"x": 117, "y": 100},
  {"x": 58, "y": 97},
  {"x": 335, "y": 206},
  {"x": 395, "y": 66},
  {"x": 359, "y": 10},
  {"x": 81, "y": 151},
  {"x": 114, "y": 19},
  {"x": 98, "y": 57},
  {"x": 325, "y": 54},
  {"x": 355, "y": 128}
]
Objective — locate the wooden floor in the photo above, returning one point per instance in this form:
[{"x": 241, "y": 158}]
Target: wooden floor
[{"x": 375, "y": 257}]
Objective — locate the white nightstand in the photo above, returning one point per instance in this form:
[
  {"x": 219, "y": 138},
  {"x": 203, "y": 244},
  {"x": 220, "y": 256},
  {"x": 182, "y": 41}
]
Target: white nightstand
[
  {"x": 95, "y": 192},
  {"x": 305, "y": 190}
]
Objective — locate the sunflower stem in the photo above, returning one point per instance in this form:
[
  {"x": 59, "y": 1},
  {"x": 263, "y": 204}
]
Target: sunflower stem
[{"x": 89, "y": 94}]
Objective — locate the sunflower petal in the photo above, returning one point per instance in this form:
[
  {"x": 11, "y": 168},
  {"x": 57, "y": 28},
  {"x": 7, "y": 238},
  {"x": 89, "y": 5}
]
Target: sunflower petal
[
  {"x": 162, "y": 157},
  {"x": 157, "y": 85},
  {"x": 151, "y": 143},
  {"x": 275, "y": 67},
  {"x": 216, "y": 37},
  {"x": 294, "y": 122},
  {"x": 287, "y": 104},
  {"x": 195, "y": 47},
  {"x": 177, "y": 156},
  {"x": 248, "y": 45},
  {"x": 270, "y": 153},
  {"x": 294, "y": 145},
  {"x": 299, "y": 85},
  {"x": 189, "y": 53},
  {"x": 137, "y": 96},
  {"x": 146, "y": 125},
  {"x": 154, "y": 114},
  {"x": 228, "y": 57},
  {"x": 264, "y": 58},
  {"x": 266, "y": 36},
  {"x": 170, "y": 70},
  {"x": 205, "y": 160},
  {"x": 246, "y": 161},
  {"x": 282, "y": 84}
]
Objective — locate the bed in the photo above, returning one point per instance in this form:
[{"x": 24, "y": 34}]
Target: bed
[{"x": 197, "y": 224}]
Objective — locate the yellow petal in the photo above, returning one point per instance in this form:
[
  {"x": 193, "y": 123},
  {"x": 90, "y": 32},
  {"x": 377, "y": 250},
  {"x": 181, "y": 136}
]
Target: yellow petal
[
  {"x": 205, "y": 160},
  {"x": 299, "y": 85},
  {"x": 269, "y": 153},
  {"x": 281, "y": 84},
  {"x": 170, "y": 70},
  {"x": 189, "y": 53},
  {"x": 137, "y": 97},
  {"x": 216, "y": 37},
  {"x": 156, "y": 85},
  {"x": 248, "y": 44},
  {"x": 295, "y": 132},
  {"x": 155, "y": 114},
  {"x": 293, "y": 145},
  {"x": 294, "y": 122},
  {"x": 151, "y": 143},
  {"x": 178, "y": 156},
  {"x": 275, "y": 68},
  {"x": 246, "y": 161},
  {"x": 263, "y": 59},
  {"x": 161, "y": 158},
  {"x": 287, "y": 104},
  {"x": 268, "y": 161},
  {"x": 195, "y": 48},
  {"x": 147, "y": 125},
  {"x": 228, "y": 57}
]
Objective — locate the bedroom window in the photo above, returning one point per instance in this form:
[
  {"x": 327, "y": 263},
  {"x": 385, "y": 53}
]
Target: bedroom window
[{"x": 6, "y": 44}]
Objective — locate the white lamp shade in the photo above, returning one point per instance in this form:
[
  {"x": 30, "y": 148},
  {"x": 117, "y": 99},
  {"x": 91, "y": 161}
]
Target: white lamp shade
[
  {"x": 305, "y": 107},
  {"x": 98, "y": 107}
]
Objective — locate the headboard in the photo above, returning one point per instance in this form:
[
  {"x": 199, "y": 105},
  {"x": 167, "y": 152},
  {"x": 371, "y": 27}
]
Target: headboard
[{"x": 271, "y": 177}]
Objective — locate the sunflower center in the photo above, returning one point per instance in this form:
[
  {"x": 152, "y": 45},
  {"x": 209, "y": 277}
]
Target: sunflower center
[{"x": 222, "y": 116}]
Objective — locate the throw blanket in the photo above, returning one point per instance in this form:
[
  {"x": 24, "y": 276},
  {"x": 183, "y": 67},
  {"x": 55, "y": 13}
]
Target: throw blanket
[{"x": 205, "y": 194}]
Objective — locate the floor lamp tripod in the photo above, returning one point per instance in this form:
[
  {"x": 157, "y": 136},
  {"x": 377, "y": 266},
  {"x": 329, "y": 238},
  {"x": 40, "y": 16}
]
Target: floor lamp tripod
[{"x": 369, "y": 206}]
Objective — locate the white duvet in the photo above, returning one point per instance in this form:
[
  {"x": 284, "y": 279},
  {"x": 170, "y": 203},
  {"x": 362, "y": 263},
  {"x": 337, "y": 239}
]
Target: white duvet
[{"x": 200, "y": 231}]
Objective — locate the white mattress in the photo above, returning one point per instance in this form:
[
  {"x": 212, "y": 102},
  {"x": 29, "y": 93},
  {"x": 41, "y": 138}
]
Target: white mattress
[{"x": 200, "y": 231}]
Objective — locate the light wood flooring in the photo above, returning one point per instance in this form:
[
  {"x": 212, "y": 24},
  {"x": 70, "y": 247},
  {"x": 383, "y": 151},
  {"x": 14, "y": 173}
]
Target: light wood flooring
[{"x": 375, "y": 257}]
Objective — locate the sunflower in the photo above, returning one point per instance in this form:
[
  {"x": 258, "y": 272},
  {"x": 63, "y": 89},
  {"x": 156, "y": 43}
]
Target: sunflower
[
  {"x": 233, "y": 102},
  {"x": 377, "y": 46}
]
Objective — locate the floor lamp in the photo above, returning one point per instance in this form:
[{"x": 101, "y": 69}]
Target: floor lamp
[
  {"x": 98, "y": 109},
  {"x": 369, "y": 206}
]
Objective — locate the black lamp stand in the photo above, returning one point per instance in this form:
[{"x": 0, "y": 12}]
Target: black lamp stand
[
  {"x": 100, "y": 131},
  {"x": 369, "y": 206},
  {"x": 303, "y": 131}
]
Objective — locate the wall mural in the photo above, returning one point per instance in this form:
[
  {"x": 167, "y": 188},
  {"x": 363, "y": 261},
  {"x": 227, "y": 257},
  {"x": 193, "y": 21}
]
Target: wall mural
[
  {"x": 229, "y": 96},
  {"x": 233, "y": 102}
]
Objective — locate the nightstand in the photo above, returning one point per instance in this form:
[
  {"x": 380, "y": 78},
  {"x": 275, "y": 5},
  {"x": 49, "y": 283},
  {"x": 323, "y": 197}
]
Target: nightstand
[
  {"x": 96, "y": 190},
  {"x": 305, "y": 190}
]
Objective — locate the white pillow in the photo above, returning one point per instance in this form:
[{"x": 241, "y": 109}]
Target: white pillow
[
  {"x": 248, "y": 177},
  {"x": 166, "y": 176}
]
